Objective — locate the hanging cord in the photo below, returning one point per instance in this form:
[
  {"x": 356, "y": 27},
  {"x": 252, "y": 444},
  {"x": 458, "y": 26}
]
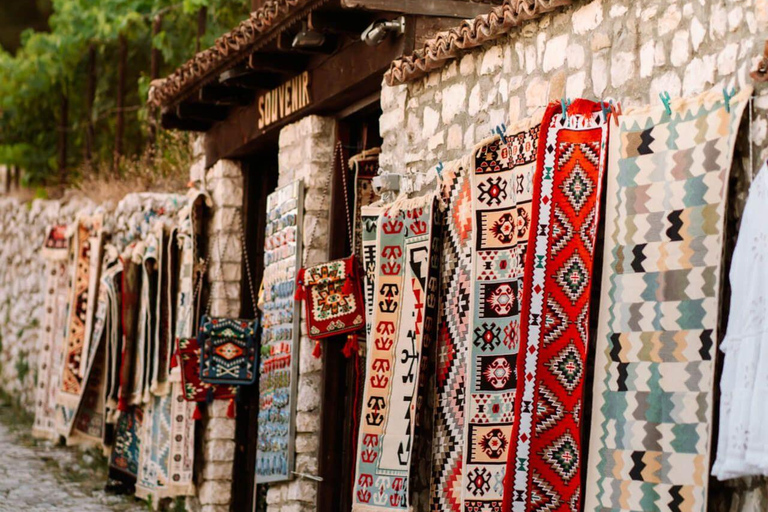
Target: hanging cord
[
  {"x": 750, "y": 105},
  {"x": 344, "y": 173},
  {"x": 218, "y": 277}
]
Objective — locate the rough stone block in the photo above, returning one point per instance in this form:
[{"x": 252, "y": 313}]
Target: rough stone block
[
  {"x": 219, "y": 450},
  {"x": 302, "y": 490},
  {"x": 309, "y": 392},
  {"x": 220, "y": 428},
  {"x": 215, "y": 492},
  {"x": 306, "y": 443},
  {"x": 217, "y": 471}
]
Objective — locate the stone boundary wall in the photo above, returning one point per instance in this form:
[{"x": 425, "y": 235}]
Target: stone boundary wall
[{"x": 22, "y": 288}]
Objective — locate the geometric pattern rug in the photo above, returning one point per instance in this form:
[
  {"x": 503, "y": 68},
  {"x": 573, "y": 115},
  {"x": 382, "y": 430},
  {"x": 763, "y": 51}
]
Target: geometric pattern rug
[
  {"x": 453, "y": 339},
  {"x": 545, "y": 457},
  {"x": 657, "y": 332},
  {"x": 85, "y": 254},
  {"x": 124, "y": 459},
  {"x": 407, "y": 257},
  {"x": 51, "y": 340},
  {"x": 502, "y": 186}
]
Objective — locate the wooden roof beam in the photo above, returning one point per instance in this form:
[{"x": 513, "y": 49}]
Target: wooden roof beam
[
  {"x": 201, "y": 112},
  {"x": 340, "y": 22},
  {"x": 283, "y": 64},
  {"x": 245, "y": 77},
  {"x": 225, "y": 95},
  {"x": 443, "y": 8},
  {"x": 170, "y": 121}
]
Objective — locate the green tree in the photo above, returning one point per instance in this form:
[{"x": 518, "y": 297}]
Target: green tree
[{"x": 51, "y": 67}]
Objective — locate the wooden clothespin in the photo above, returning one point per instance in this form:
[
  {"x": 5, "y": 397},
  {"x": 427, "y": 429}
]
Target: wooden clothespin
[
  {"x": 617, "y": 111},
  {"x": 727, "y": 98},
  {"x": 606, "y": 109},
  {"x": 666, "y": 99}
]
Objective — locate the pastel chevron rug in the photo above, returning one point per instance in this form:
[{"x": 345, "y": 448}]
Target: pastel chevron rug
[
  {"x": 86, "y": 261},
  {"x": 453, "y": 340},
  {"x": 502, "y": 189},
  {"x": 55, "y": 252},
  {"x": 667, "y": 184},
  {"x": 405, "y": 291},
  {"x": 544, "y": 473}
]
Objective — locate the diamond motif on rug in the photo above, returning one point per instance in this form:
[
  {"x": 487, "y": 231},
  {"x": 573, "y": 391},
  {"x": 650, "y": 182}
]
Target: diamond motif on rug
[
  {"x": 578, "y": 187},
  {"x": 543, "y": 495},
  {"x": 549, "y": 410},
  {"x": 573, "y": 278},
  {"x": 229, "y": 351},
  {"x": 563, "y": 457},
  {"x": 567, "y": 367}
]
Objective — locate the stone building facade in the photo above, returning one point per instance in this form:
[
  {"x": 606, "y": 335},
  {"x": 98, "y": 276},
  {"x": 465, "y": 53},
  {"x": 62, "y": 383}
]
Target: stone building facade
[{"x": 597, "y": 49}]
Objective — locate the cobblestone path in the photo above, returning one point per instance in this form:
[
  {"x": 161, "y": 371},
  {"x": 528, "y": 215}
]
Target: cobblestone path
[{"x": 37, "y": 477}]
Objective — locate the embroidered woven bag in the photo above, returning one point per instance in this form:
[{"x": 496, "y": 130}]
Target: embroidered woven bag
[
  {"x": 333, "y": 298},
  {"x": 229, "y": 346},
  {"x": 332, "y": 292},
  {"x": 228, "y": 350}
]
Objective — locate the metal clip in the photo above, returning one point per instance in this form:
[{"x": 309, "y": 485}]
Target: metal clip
[
  {"x": 666, "y": 99},
  {"x": 727, "y": 98}
]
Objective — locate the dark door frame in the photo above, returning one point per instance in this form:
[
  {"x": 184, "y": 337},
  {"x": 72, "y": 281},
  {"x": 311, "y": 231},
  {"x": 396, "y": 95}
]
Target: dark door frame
[{"x": 260, "y": 173}]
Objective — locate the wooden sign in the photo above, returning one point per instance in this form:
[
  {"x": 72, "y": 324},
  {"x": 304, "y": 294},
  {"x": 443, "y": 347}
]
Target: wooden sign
[{"x": 288, "y": 98}]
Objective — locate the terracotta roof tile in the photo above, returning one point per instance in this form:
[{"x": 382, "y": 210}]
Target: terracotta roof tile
[
  {"x": 226, "y": 51},
  {"x": 447, "y": 45}
]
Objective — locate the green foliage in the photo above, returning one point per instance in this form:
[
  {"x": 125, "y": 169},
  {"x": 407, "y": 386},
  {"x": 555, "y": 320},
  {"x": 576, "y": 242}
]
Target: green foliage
[{"x": 51, "y": 65}]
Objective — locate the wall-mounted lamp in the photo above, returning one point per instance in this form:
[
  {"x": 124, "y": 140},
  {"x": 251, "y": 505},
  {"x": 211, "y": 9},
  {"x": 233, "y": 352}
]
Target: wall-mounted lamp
[
  {"x": 378, "y": 31},
  {"x": 308, "y": 38}
]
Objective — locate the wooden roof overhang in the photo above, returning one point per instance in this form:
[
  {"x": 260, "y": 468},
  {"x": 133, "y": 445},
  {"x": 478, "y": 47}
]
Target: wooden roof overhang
[{"x": 221, "y": 90}]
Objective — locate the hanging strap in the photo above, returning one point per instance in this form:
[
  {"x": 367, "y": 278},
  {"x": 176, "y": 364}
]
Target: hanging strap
[
  {"x": 337, "y": 153},
  {"x": 249, "y": 275}
]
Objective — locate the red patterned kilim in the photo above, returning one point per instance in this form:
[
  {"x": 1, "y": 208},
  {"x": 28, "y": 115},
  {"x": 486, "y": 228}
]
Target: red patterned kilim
[{"x": 543, "y": 473}]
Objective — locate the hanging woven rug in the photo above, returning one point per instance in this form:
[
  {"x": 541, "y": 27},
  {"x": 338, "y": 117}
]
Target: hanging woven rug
[
  {"x": 453, "y": 339},
  {"x": 544, "y": 461},
  {"x": 405, "y": 298},
  {"x": 657, "y": 330}
]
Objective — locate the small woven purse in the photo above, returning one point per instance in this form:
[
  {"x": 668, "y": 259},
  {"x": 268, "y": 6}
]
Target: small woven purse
[
  {"x": 332, "y": 292},
  {"x": 229, "y": 346}
]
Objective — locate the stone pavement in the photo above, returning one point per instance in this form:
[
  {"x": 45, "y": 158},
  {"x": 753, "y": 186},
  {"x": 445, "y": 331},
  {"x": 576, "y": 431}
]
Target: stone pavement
[{"x": 37, "y": 477}]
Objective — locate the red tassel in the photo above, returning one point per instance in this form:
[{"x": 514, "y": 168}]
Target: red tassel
[
  {"x": 231, "y": 409},
  {"x": 122, "y": 405},
  {"x": 299, "y": 294},
  {"x": 198, "y": 414},
  {"x": 317, "y": 352},
  {"x": 350, "y": 348}
]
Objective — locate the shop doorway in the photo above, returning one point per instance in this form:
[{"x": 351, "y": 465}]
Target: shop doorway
[
  {"x": 260, "y": 174},
  {"x": 358, "y": 131}
]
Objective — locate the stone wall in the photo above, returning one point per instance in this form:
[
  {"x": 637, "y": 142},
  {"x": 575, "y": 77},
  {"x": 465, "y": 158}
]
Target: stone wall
[
  {"x": 224, "y": 183},
  {"x": 22, "y": 286},
  {"x": 600, "y": 49},
  {"x": 306, "y": 153}
]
